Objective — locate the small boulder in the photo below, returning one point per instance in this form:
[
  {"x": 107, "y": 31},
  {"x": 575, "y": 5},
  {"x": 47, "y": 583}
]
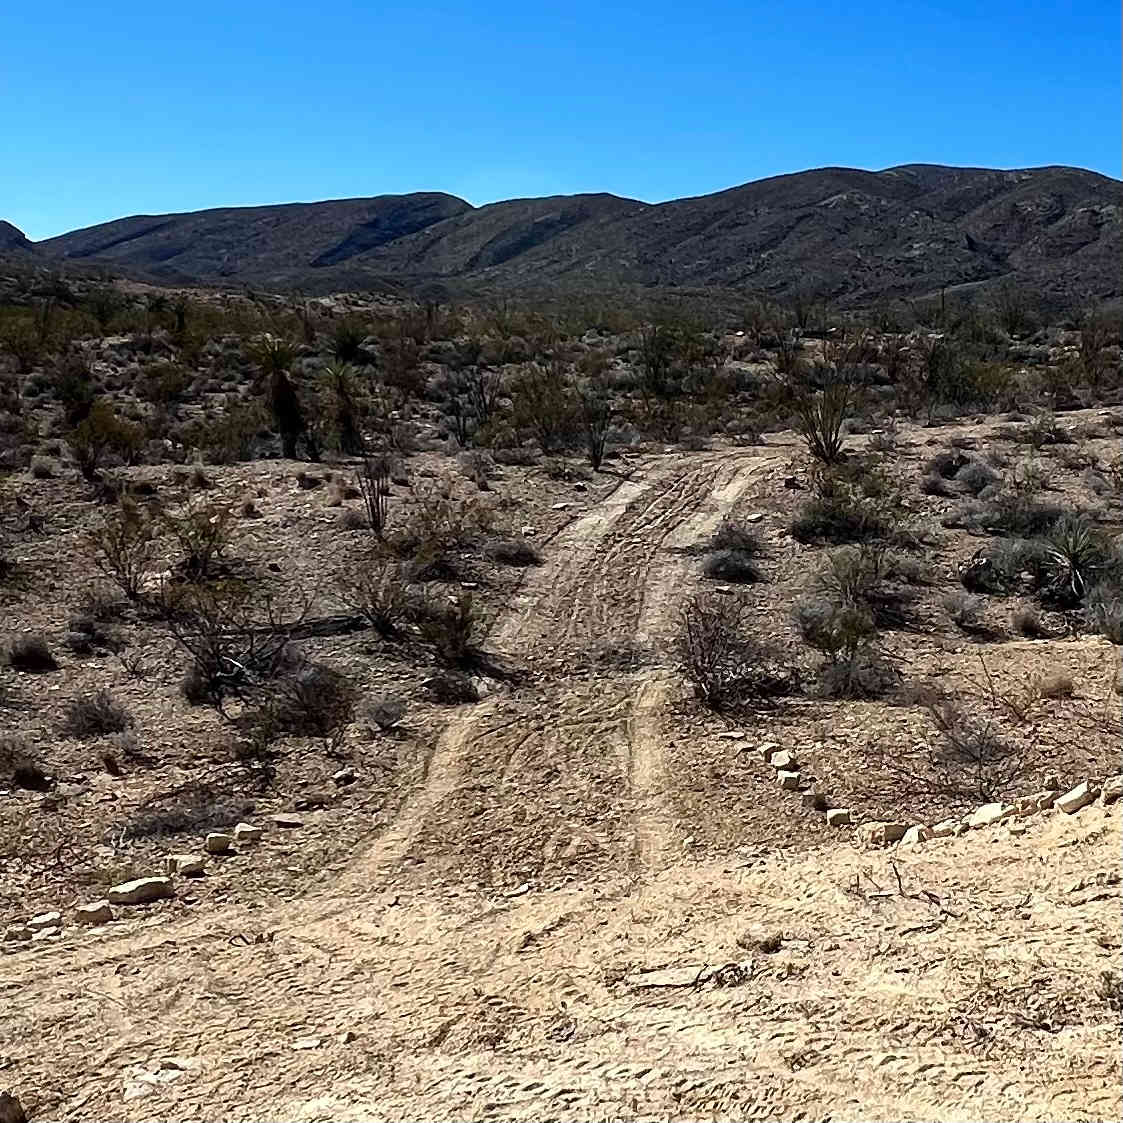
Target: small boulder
[
  {"x": 289, "y": 822},
  {"x": 186, "y": 865},
  {"x": 784, "y": 761},
  {"x": 1113, "y": 789},
  {"x": 343, "y": 777},
  {"x": 45, "y": 920},
  {"x": 946, "y": 828},
  {"x": 1052, "y": 782},
  {"x": 1079, "y": 797},
  {"x": 789, "y": 781},
  {"x": 767, "y": 749},
  {"x": 217, "y": 842},
  {"x": 838, "y": 816},
  {"x": 987, "y": 814},
  {"x": 247, "y": 832},
  {"x": 916, "y": 834},
  {"x": 17, "y": 934},
  {"x": 142, "y": 891},
  {"x": 98, "y": 912},
  {"x": 880, "y": 834}
]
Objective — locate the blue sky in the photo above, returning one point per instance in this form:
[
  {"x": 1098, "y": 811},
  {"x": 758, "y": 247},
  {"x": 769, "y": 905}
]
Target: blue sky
[{"x": 121, "y": 108}]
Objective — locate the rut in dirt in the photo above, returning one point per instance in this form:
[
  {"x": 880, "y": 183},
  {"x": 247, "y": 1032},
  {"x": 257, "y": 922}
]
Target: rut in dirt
[{"x": 566, "y": 779}]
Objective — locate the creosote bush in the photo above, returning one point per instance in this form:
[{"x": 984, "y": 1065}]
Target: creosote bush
[
  {"x": 95, "y": 715},
  {"x": 30, "y": 653}
]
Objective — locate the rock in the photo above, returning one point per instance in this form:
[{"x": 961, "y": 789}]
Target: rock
[
  {"x": 732, "y": 734},
  {"x": 46, "y": 934},
  {"x": 289, "y": 822},
  {"x": 343, "y": 777},
  {"x": 1052, "y": 782},
  {"x": 789, "y": 781},
  {"x": 306, "y": 1043},
  {"x": 11, "y": 1110},
  {"x": 45, "y": 920},
  {"x": 946, "y": 828},
  {"x": 880, "y": 834},
  {"x": 838, "y": 817},
  {"x": 528, "y": 530},
  {"x": 1113, "y": 789},
  {"x": 785, "y": 760},
  {"x": 1074, "y": 800},
  {"x": 562, "y": 506},
  {"x": 217, "y": 842},
  {"x": 98, "y": 912},
  {"x": 755, "y": 517},
  {"x": 1044, "y": 800},
  {"x": 766, "y": 751},
  {"x": 813, "y": 801},
  {"x": 17, "y": 934},
  {"x": 141, "y": 891},
  {"x": 987, "y": 814},
  {"x": 916, "y": 834},
  {"x": 186, "y": 865},
  {"x": 247, "y": 832}
]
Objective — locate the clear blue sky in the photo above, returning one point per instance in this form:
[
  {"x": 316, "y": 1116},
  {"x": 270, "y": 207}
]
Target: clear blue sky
[{"x": 113, "y": 108}]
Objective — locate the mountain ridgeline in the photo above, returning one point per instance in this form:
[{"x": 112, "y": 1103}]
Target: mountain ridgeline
[{"x": 855, "y": 236}]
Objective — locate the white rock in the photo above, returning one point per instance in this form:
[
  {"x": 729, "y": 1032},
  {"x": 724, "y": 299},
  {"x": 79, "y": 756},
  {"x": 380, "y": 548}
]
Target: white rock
[
  {"x": 755, "y": 517},
  {"x": 987, "y": 814},
  {"x": 528, "y": 530},
  {"x": 247, "y": 832},
  {"x": 766, "y": 751},
  {"x": 838, "y": 816},
  {"x": 217, "y": 842},
  {"x": 789, "y": 781},
  {"x": 1079, "y": 797},
  {"x": 46, "y": 934},
  {"x": 1113, "y": 789},
  {"x": 186, "y": 865},
  {"x": 916, "y": 834},
  {"x": 880, "y": 834},
  {"x": 98, "y": 912},
  {"x": 45, "y": 920},
  {"x": 343, "y": 777},
  {"x": 946, "y": 828},
  {"x": 784, "y": 759},
  {"x": 562, "y": 506},
  {"x": 306, "y": 1043},
  {"x": 141, "y": 891}
]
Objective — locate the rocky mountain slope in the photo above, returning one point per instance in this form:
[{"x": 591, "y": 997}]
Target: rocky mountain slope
[{"x": 855, "y": 235}]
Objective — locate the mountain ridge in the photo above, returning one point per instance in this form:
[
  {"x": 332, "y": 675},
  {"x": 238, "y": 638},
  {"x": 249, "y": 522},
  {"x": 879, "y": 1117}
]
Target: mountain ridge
[{"x": 855, "y": 235}]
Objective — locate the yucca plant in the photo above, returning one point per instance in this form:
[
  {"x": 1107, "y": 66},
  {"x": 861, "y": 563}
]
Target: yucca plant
[
  {"x": 1074, "y": 554},
  {"x": 820, "y": 417}
]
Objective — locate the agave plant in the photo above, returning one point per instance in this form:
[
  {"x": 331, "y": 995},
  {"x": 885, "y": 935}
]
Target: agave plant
[{"x": 1073, "y": 557}]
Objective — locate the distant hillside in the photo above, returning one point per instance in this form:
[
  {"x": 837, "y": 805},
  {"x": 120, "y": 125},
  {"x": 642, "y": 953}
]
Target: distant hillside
[{"x": 857, "y": 236}]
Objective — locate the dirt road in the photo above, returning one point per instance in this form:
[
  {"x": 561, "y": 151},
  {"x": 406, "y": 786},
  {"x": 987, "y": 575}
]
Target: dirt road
[{"x": 527, "y": 939}]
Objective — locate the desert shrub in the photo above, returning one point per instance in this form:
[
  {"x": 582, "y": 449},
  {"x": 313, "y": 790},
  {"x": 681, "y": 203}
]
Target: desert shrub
[
  {"x": 1056, "y": 685},
  {"x": 477, "y": 466},
  {"x": 594, "y": 416},
  {"x": 123, "y": 548},
  {"x": 1010, "y": 512},
  {"x": 441, "y": 522},
  {"x": 102, "y": 432},
  {"x": 975, "y": 476},
  {"x": 852, "y": 502},
  {"x": 378, "y": 591},
  {"x": 43, "y": 468},
  {"x": 720, "y": 658},
  {"x": 934, "y": 484},
  {"x": 515, "y": 551},
  {"x": 1103, "y": 610},
  {"x": 343, "y": 407},
  {"x": 30, "y": 653},
  {"x": 232, "y": 437},
  {"x": 451, "y": 688},
  {"x": 203, "y": 532},
  {"x": 73, "y": 387},
  {"x": 449, "y": 625},
  {"x": 239, "y": 640},
  {"x": 18, "y": 765},
  {"x": 191, "y": 808},
  {"x": 733, "y": 534},
  {"x": 999, "y": 567},
  {"x": 842, "y": 628},
  {"x": 1027, "y": 622},
  {"x": 94, "y": 715},
  {"x": 311, "y": 701},
  {"x": 970, "y": 758},
  {"x": 735, "y": 566},
  {"x": 965, "y": 610}
]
